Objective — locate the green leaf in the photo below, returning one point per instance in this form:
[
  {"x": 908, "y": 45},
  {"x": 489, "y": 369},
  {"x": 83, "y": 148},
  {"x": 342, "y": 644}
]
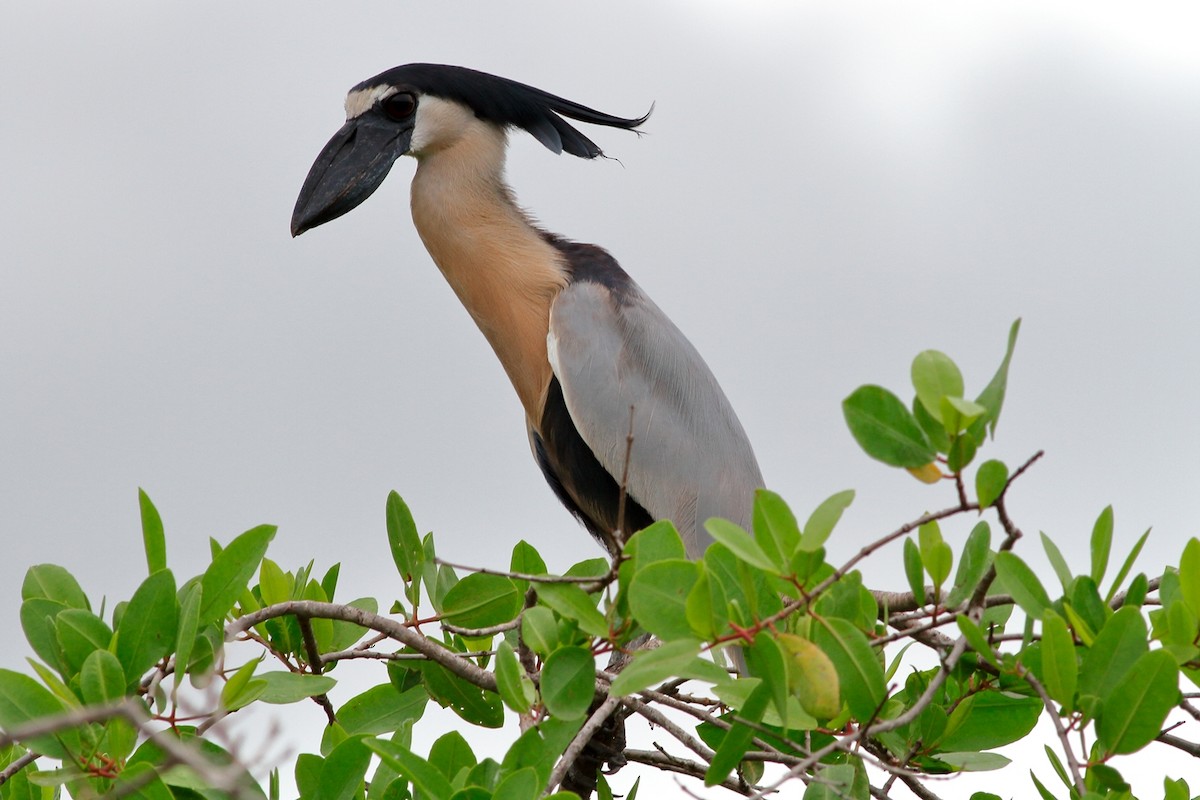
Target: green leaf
[
  {"x": 741, "y": 543},
  {"x": 526, "y": 560},
  {"x": 425, "y": 777},
  {"x": 22, "y": 700},
  {"x": 289, "y": 687},
  {"x": 515, "y": 687},
  {"x": 1176, "y": 790},
  {"x": 1126, "y": 566},
  {"x": 329, "y": 582},
  {"x": 523, "y": 784},
  {"x": 539, "y": 630},
  {"x": 148, "y": 626},
  {"x": 1118, "y": 646},
  {"x": 990, "y": 480},
  {"x": 914, "y": 570},
  {"x": 407, "y": 550},
  {"x": 1057, "y": 562},
  {"x": 990, "y": 719},
  {"x": 1132, "y": 714},
  {"x": 962, "y": 452},
  {"x": 766, "y": 661},
  {"x": 658, "y": 597},
  {"x": 775, "y": 528},
  {"x": 833, "y": 782},
  {"x": 241, "y": 689},
  {"x": 656, "y": 542},
  {"x": 473, "y": 704},
  {"x": 992, "y": 397},
  {"x": 1018, "y": 580},
  {"x": 80, "y": 633},
  {"x": 974, "y": 762},
  {"x": 1189, "y": 575},
  {"x": 813, "y": 677},
  {"x": 37, "y": 621},
  {"x": 858, "y": 669},
  {"x": 569, "y": 682},
  {"x": 141, "y": 782},
  {"x": 933, "y": 428},
  {"x": 540, "y": 746},
  {"x": 274, "y": 586},
  {"x": 102, "y": 679},
  {"x": 227, "y": 575},
  {"x": 976, "y": 557},
  {"x": 934, "y": 376},
  {"x": 481, "y": 600},
  {"x": 1085, "y": 598},
  {"x": 344, "y": 771},
  {"x": 650, "y": 667},
  {"x": 189, "y": 625},
  {"x": 885, "y": 429},
  {"x": 153, "y": 539},
  {"x": 308, "y": 773},
  {"x": 737, "y": 741},
  {"x": 381, "y": 709},
  {"x": 1045, "y": 794},
  {"x": 935, "y": 553},
  {"x": 700, "y": 608},
  {"x": 451, "y": 754},
  {"x": 976, "y": 639},
  {"x": 52, "y": 582},
  {"x": 1102, "y": 533},
  {"x": 1060, "y": 668},
  {"x": 958, "y": 414},
  {"x": 822, "y": 521},
  {"x": 574, "y": 603}
]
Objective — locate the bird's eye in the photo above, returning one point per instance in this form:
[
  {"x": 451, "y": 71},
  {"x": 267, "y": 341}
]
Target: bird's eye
[{"x": 399, "y": 107}]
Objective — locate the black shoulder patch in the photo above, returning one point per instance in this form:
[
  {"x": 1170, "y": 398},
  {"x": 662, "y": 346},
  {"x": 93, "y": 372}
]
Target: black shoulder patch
[{"x": 588, "y": 262}]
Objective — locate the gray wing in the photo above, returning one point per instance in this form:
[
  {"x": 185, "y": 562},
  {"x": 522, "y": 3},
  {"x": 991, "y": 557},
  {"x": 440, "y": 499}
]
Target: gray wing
[{"x": 691, "y": 459}]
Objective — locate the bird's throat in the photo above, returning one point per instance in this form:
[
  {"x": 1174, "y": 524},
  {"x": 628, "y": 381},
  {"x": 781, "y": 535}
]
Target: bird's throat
[{"x": 502, "y": 269}]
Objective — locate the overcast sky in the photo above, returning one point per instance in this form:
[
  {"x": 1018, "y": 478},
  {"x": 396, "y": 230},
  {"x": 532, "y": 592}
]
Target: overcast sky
[{"x": 824, "y": 190}]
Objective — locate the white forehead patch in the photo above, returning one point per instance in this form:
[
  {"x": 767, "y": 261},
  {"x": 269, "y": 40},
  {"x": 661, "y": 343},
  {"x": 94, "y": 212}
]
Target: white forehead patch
[{"x": 360, "y": 101}]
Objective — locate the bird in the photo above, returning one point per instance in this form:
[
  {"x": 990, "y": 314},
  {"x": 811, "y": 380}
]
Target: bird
[{"x": 626, "y": 421}]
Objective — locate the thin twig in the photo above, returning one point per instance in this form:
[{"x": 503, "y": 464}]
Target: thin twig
[
  {"x": 1052, "y": 711},
  {"x": 349, "y": 655},
  {"x": 479, "y": 633},
  {"x": 313, "y": 654},
  {"x": 620, "y": 535},
  {"x": 581, "y": 740},
  {"x": 1191, "y": 748},
  {"x": 17, "y": 765},
  {"x": 663, "y": 760}
]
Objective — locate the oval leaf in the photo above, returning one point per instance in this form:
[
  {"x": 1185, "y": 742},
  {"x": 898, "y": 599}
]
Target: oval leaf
[
  {"x": 990, "y": 481},
  {"x": 148, "y": 626},
  {"x": 569, "y": 682},
  {"x": 480, "y": 601},
  {"x": 658, "y": 597},
  {"x": 885, "y": 429},
  {"x": 650, "y": 667}
]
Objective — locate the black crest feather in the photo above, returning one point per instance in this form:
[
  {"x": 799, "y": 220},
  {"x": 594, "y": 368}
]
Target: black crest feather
[{"x": 507, "y": 102}]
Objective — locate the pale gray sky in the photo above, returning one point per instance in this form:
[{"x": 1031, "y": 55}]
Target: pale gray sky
[{"x": 824, "y": 190}]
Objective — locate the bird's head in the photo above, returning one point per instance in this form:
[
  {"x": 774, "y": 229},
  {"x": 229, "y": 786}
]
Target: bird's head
[{"x": 419, "y": 107}]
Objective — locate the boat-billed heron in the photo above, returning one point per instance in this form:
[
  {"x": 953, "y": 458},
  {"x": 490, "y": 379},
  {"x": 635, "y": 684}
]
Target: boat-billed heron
[{"x": 587, "y": 351}]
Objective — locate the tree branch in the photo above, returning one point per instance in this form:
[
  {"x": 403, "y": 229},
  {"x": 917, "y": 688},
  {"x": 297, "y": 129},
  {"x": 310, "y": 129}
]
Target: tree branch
[{"x": 452, "y": 661}]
